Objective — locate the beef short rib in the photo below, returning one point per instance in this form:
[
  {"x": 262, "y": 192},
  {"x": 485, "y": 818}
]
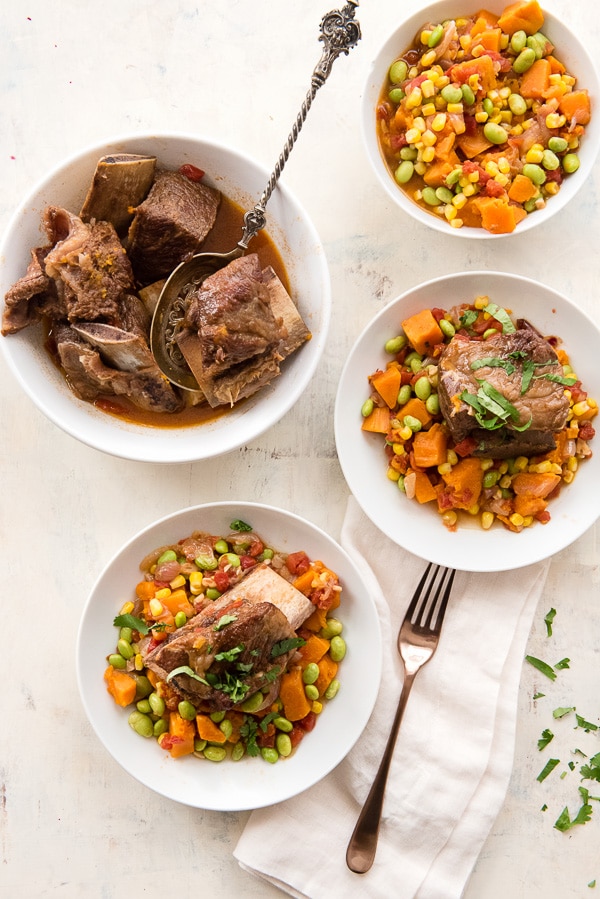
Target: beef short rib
[{"x": 542, "y": 406}]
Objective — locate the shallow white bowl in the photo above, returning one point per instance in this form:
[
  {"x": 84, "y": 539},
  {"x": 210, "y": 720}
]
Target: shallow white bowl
[
  {"x": 569, "y": 50},
  {"x": 242, "y": 180},
  {"x": 419, "y": 528},
  {"x": 251, "y": 783}
]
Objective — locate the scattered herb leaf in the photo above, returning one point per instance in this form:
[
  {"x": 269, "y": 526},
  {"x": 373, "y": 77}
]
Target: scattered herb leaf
[
  {"x": 538, "y": 695},
  {"x": 547, "y": 769},
  {"x": 564, "y": 663},
  {"x": 502, "y": 316},
  {"x": 272, "y": 675},
  {"x": 561, "y": 711},
  {"x": 541, "y": 666},
  {"x": 549, "y": 618},
  {"x": 546, "y": 737},
  {"x": 136, "y": 624},
  {"x": 279, "y": 649},
  {"x": 586, "y": 725},
  {"x": 185, "y": 669},
  {"x": 248, "y": 730},
  {"x": 564, "y": 821},
  {"x": 228, "y": 655},
  {"x": 223, "y": 621},
  {"x": 591, "y": 771},
  {"x": 239, "y": 525}
]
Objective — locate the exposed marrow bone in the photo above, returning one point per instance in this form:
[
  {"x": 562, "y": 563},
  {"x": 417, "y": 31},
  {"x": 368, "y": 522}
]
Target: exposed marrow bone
[
  {"x": 263, "y": 584},
  {"x": 283, "y": 307},
  {"x": 120, "y": 183},
  {"x": 123, "y": 350}
]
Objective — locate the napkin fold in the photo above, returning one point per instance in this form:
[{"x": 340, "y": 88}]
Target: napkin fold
[{"x": 454, "y": 752}]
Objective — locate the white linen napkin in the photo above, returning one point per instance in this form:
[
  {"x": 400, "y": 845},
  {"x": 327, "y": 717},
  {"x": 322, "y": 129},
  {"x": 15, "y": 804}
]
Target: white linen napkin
[{"x": 454, "y": 753}]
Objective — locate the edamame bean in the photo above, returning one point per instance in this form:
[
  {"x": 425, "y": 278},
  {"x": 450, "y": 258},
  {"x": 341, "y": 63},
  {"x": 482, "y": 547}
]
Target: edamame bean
[
  {"x": 311, "y": 692},
  {"x": 444, "y": 194},
  {"x": 253, "y": 702},
  {"x": 416, "y": 365},
  {"x": 487, "y": 106},
  {"x": 143, "y": 687},
  {"x": 212, "y": 593},
  {"x": 429, "y": 197},
  {"x": 169, "y": 555},
  {"x": 199, "y": 745},
  {"x": 186, "y": 710},
  {"x": 269, "y": 755},
  {"x": 538, "y": 43},
  {"x": 141, "y": 724},
  {"x": 412, "y": 422},
  {"x": 126, "y": 634},
  {"x": 232, "y": 559},
  {"x": 409, "y": 153},
  {"x": 557, "y": 144},
  {"x": 180, "y": 619},
  {"x": 435, "y": 36},
  {"x": 432, "y": 404},
  {"x": 467, "y": 94},
  {"x": 221, "y": 546},
  {"x": 125, "y": 649},
  {"x": 337, "y": 648},
  {"x": 217, "y": 717},
  {"x": 404, "y": 394},
  {"x": 310, "y": 673},
  {"x": 157, "y": 704},
  {"x": 524, "y": 60},
  {"x": 283, "y": 744},
  {"x": 206, "y": 562},
  {"x": 117, "y": 660},
  {"x": 451, "y": 93},
  {"x": 367, "y": 407},
  {"x": 395, "y": 344},
  {"x": 265, "y": 554},
  {"x": 517, "y": 104},
  {"x": 283, "y": 724},
  {"x": 398, "y": 71},
  {"x": 550, "y": 160},
  {"x": 160, "y": 727},
  {"x": 495, "y": 133},
  {"x": 405, "y": 171},
  {"x": 490, "y": 478},
  {"x": 226, "y": 727},
  {"x": 518, "y": 41},
  {"x": 534, "y": 172},
  {"x": 333, "y": 689},
  {"x": 423, "y": 388},
  {"x": 489, "y": 332},
  {"x": 237, "y": 752},
  {"x": 396, "y": 95},
  {"x": 333, "y": 627},
  {"x": 447, "y": 328},
  {"x": 215, "y": 753},
  {"x": 144, "y": 707},
  {"x": 570, "y": 163},
  {"x": 400, "y": 483}
]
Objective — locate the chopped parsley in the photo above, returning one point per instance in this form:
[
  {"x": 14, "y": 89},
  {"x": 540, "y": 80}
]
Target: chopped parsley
[
  {"x": 586, "y": 725},
  {"x": 228, "y": 655},
  {"x": 502, "y": 316},
  {"x": 547, "y": 769},
  {"x": 549, "y": 618},
  {"x": 272, "y": 675},
  {"x": 136, "y": 624},
  {"x": 248, "y": 731},
  {"x": 564, "y": 821},
  {"x": 546, "y": 737},
  {"x": 492, "y": 409},
  {"x": 562, "y": 711},
  {"x": 541, "y": 666},
  {"x": 239, "y": 525},
  {"x": 223, "y": 621},
  {"x": 279, "y": 649},
  {"x": 591, "y": 771},
  {"x": 564, "y": 663},
  {"x": 185, "y": 669}
]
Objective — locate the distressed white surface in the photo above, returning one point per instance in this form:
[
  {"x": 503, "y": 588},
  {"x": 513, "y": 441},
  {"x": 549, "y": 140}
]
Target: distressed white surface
[{"x": 71, "y": 73}]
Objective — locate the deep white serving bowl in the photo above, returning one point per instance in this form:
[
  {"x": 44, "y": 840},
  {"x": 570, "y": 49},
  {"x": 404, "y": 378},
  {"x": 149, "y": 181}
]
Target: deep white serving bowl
[
  {"x": 569, "y": 50},
  {"x": 419, "y": 528},
  {"x": 242, "y": 180},
  {"x": 251, "y": 783}
]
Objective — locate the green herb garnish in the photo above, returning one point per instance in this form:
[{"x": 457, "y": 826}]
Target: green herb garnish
[
  {"x": 564, "y": 663},
  {"x": 272, "y": 675},
  {"x": 239, "y": 525},
  {"x": 248, "y": 731},
  {"x": 279, "y": 649},
  {"x": 591, "y": 771},
  {"x": 586, "y": 725},
  {"x": 468, "y": 318},
  {"x": 136, "y": 624},
  {"x": 185, "y": 669},
  {"x": 562, "y": 711},
  {"x": 564, "y": 821},
  {"x": 228, "y": 655},
  {"x": 502, "y": 316},
  {"x": 548, "y": 620},
  {"x": 547, "y": 769},
  {"x": 546, "y": 737},
  {"x": 541, "y": 666},
  {"x": 223, "y": 621}
]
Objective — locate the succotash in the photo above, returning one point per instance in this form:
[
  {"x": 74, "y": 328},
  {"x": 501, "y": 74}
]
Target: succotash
[
  {"x": 479, "y": 121},
  {"x": 426, "y": 465},
  {"x": 179, "y": 581}
]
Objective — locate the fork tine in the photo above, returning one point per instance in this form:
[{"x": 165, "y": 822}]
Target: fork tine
[
  {"x": 418, "y": 594},
  {"x": 437, "y": 609}
]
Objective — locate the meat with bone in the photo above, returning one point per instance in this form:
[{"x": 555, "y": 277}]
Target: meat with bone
[
  {"x": 90, "y": 377},
  {"x": 509, "y": 363},
  {"x": 170, "y": 225},
  {"x": 31, "y": 297}
]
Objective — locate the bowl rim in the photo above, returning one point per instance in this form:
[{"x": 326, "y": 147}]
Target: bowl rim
[
  {"x": 532, "y": 548},
  {"x": 138, "y": 445},
  {"x": 369, "y": 686},
  {"x": 372, "y": 89}
]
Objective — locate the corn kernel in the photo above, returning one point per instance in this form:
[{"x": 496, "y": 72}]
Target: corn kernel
[
  {"x": 474, "y": 509},
  {"x": 568, "y": 477},
  {"x": 419, "y": 123},
  {"x": 481, "y": 301},
  {"x": 506, "y": 117},
  {"x": 398, "y": 449},
  {"x": 127, "y": 608},
  {"x": 317, "y": 707},
  {"x": 481, "y": 116},
  {"x": 413, "y": 135},
  {"x": 572, "y": 463},
  {"x": 516, "y": 519},
  {"x": 444, "y": 468},
  {"x": 439, "y": 122},
  {"x": 195, "y": 583},
  {"x": 405, "y": 433},
  {"x": 425, "y": 35},
  {"x": 428, "y": 108},
  {"x": 450, "y": 518},
  {"x": 504, "y": 165},
  {"x": 138, "y": 662},
  {"x": 551, "y": 188},
  {"x": 581, "y": 408},
  {"x": 451, "y": 457},
  {"x": 528, "y": 521},
  {"x": 491, "y": 168},
  {"x": 429, "y": 138},
  {"x": 163, "y": 593},
  {"x": 505, "y": 481},
  {"x": 503, "y": 467},
  {"x": 156, "y": 607},
  {"x": 542, "y": 467},
  {"x": 469, "y": 190},
  {"x": 450, "y": 212},
  {"x": 455, "y": 108},
  {"x": 392, "y": 474},
  {"x": 592, "y": 403},
  {"x": 556, "y": 468},
  {"x": 501, "y": 179},
  {"x": 487, "y": 519},
  {"x": 420, "y": 168},
  {"x": 456, "y": 223},
  {"x": 504, "y": 93},
  {"x": 555, "y": 120},
  {"x": 535, "y": 154},
  {"x": 177, "y": 582},
  {"x": 428, "y": 155},
  {"x": 516, "y": 129},
  {"x": 428, "y": 91},
  {"x": 414, "y": 99},
  {"x": 486, "y": 464},
  {"x": 472, "y": 177},
  {"x": 465, "y": 41},
  {"x": 458, "y": 201}
]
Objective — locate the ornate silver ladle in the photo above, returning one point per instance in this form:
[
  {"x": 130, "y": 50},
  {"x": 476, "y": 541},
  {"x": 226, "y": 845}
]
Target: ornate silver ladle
[{"x": 339, "y": 33}]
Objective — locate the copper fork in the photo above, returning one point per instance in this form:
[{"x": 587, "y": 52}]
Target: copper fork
[{"x": 417, "y": 641}]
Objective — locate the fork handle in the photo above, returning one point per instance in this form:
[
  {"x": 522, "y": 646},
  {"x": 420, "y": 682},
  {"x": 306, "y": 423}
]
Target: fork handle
[{"x": 363, "y": 842}]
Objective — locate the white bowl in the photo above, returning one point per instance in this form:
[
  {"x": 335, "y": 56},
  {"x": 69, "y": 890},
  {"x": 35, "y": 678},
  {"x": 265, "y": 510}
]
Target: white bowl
[
  {"x": 251, "y": 783},
  {"x": 242, "y": 180},
  {"x": 569, "y": 50},
  {"x": 419, "y": 528}
]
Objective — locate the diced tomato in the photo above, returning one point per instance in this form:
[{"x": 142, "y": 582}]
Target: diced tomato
[
  {"x": 493, "y": 189},
  {"x": 169, "y": 740},
  {"x": 298, "y": 562},
  {"x": 542, "y": 517},
  {"x": 247, "y": 562},
  {"x": 296, "y": 735},
  {"x": 397, "y": 141},
  {"x": 586, "y": 430},
  {"x": 191, "y": 171},
  {"x": 256, "y": 547},
  {"x": 308, "y": 722},
  {"x": 438, "y": 313},
  {"x": 465, "y": 447},
  {"x": 221, "y": 579}
]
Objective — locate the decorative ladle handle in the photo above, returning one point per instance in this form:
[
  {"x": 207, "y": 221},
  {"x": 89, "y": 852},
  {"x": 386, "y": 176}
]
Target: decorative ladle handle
[{"x": 339, "y": 33}]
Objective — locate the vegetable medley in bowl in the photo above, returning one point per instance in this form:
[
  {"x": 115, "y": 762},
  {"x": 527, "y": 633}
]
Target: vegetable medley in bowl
[
  {"x": 207, "y": 640},
  {"x": 465, "y": 421},
  {"x": 482, "y": 117}
]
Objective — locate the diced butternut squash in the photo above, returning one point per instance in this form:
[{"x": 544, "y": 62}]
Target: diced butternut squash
[
  {"x": 378, "y": 421},
  {"x": 430, "y": 447},
  {"x": 120, "y": 685},
  {"x": 424, "y": 490},
  {"x": 497, "y": 215},
  {"x": 316, "y": 620},
  {"x": 304, "y": 581},
  {"x": 465, "y": 481},
  {"x": 536, "y": 80},
  {"x": 178, "y": 602},
  {"x": 482, "y": 66},
  {"x": 183, "y": 733},
  {"x": 534, "y": 483},
  {"x": 208, "y": 730},
  {"x": 314, "y": 649},
  {"x": 522, "y": 189},
  {"x": 524, "y": 15},
  {"x": 575, "y": 106},
  {"x": 327, "y": 671},
  {"x": 556, "y": 65},
  {"x": 423, "y": 331},
  {"x": 387, "y": 384},
  {"x": 473, "y": 144},
  {"x": 296, "y": 704},
  {"x": 416, "y": 408},
  {"x": 488, "y": 39},
  {"x": 529, "y": 505}
]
